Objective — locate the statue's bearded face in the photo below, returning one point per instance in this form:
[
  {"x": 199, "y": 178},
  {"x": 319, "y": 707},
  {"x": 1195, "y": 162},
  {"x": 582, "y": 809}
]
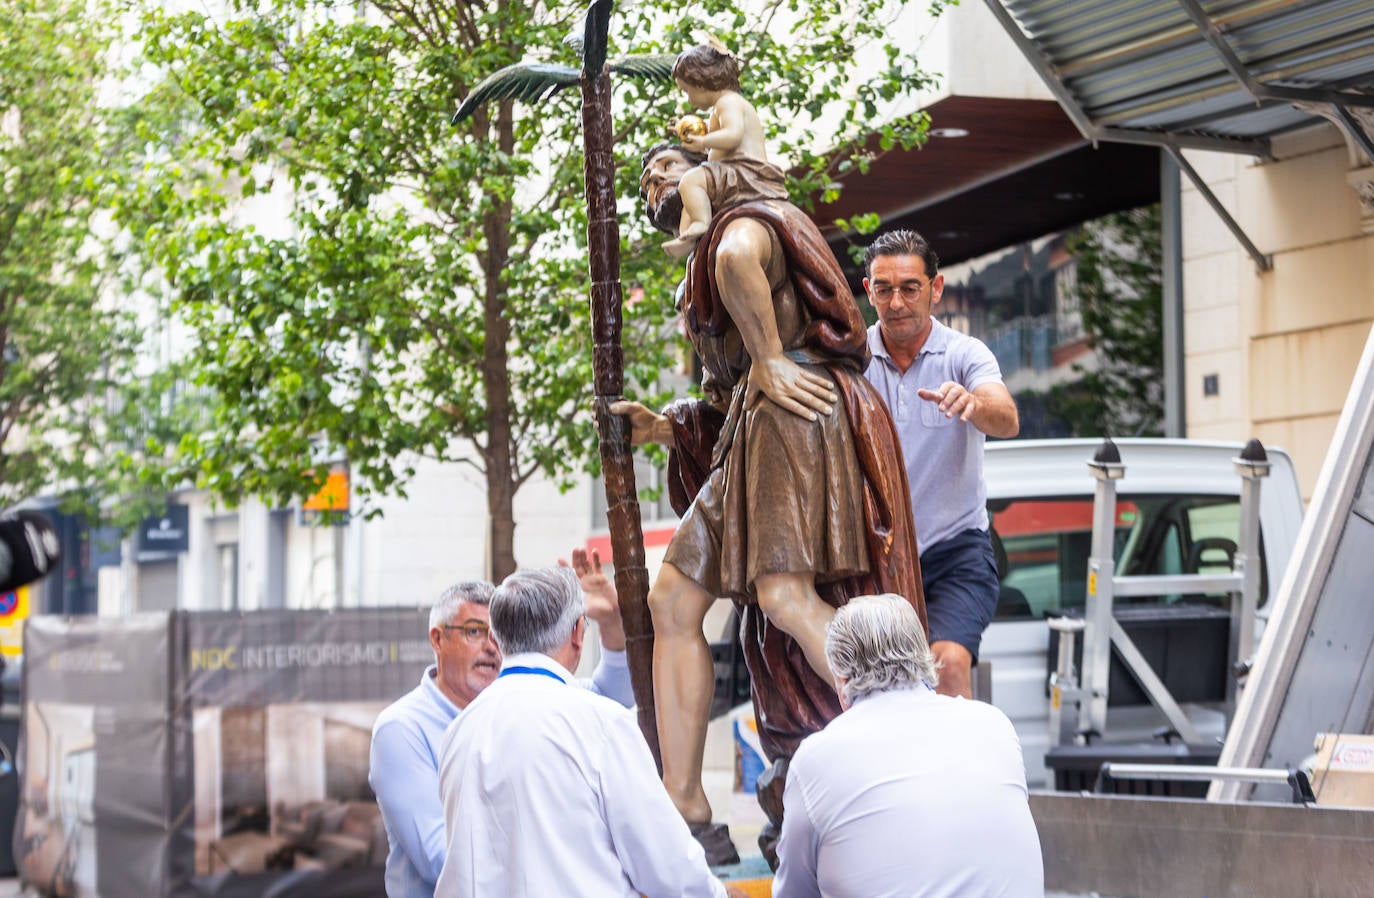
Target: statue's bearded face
[
  {"x": 658, "y": 186},
  {"x": 666, "y": 214}
]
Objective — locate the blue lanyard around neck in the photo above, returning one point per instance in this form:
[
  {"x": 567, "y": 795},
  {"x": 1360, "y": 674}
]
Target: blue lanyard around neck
[{"x": 539, "y": 671}]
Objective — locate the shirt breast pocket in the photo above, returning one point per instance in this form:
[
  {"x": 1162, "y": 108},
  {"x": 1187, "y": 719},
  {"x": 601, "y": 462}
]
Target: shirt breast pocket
[{"x": 932, "y": 417}]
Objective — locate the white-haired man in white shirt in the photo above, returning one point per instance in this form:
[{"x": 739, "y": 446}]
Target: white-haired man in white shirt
[
  {"x": 908, "y": 792},
  {"x": 551, "y": 790}
]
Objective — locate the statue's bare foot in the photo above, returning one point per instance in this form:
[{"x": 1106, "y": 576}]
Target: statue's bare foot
[{"x": 681, "y": 246}]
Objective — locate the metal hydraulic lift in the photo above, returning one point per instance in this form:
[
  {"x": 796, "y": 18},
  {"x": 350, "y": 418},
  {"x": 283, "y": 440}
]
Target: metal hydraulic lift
[
  {"x": 1102, "y": 633},
  {"x": 1314, "y": 671},
  {"x": 1259, "y": 832}
]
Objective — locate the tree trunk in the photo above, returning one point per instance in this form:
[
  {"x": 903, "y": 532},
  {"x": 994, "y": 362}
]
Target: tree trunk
[
  {"x": 608, "y": 372},
  {"x": 498, "y": 461}
]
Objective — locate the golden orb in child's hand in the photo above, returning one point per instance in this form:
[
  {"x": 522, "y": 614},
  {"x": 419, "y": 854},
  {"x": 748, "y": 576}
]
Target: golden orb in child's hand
[{"x": 690, "y": 126}]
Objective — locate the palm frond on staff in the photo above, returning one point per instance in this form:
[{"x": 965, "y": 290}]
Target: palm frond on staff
[{"x": 535, "y": 82}]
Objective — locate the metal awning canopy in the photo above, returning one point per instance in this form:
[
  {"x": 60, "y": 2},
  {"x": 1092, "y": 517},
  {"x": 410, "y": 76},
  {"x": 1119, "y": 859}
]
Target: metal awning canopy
[
  {"x": 1131, "y": 78},
  {"x": 1225, "y": 75}
]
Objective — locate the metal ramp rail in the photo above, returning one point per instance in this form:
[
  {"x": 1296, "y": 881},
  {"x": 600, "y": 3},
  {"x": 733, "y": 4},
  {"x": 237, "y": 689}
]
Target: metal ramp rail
[
  {"x": 1314, "y": 670},
  {"x": 1102, "y": 632}
]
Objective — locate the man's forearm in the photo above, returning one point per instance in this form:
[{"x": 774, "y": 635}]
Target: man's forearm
[
  {"x": 406, "y": 786},
  {"x": 998, "y": 422},
  {"x": 995, "y": 413},
  {"x": 612, "y": 678},
  {"x": 612, "y": 632}
]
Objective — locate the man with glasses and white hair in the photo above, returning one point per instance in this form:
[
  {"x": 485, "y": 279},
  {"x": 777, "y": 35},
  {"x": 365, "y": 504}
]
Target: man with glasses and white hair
[
  {"x": 908, "y": 792},
  {"x": 946, "y": 395},
  {"x": 549, "y": 789},
  {"x": 404, "y": 766}
]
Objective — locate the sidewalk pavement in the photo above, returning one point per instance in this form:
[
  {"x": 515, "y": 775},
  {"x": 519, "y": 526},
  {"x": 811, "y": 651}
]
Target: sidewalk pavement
[{"x": 10, "y": 888}]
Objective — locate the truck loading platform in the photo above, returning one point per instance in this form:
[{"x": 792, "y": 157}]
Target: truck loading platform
[{"x": 1146, "y": 847}]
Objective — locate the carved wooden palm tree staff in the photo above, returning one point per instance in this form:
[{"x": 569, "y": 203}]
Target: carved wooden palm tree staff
[{"x": 535, "y": 82}]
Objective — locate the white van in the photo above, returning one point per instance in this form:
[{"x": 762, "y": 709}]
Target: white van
[{"x": 1178, "y": 511}]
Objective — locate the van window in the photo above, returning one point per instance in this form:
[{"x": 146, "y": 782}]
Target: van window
[{"x": 1043, "y": 545}]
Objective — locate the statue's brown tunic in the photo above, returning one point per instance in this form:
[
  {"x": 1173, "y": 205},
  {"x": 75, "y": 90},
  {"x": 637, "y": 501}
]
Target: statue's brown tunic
[{"x": 763, "y": 490}]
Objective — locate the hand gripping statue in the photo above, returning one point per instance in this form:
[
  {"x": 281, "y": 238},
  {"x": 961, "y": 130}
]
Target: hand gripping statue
[{"x": 790, "y": 481}]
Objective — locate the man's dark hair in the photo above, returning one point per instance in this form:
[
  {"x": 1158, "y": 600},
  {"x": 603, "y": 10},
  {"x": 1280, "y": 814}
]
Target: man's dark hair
[
  {"x": 901, "y": 243},
  {"x": 706, "y": 67}
]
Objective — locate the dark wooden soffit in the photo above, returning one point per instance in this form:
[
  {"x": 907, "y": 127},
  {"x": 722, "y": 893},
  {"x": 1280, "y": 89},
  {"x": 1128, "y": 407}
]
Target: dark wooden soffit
[{"x": 1021, "y": 171}]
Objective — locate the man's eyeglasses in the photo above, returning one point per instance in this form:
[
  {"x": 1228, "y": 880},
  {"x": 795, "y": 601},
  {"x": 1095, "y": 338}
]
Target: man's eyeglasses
[
  {"x": 473, "y": 633},
  {"x": 909, "y": 291}
]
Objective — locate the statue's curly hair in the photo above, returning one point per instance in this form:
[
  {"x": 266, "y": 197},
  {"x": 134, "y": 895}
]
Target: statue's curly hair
[{"x": 706, "y": 67}]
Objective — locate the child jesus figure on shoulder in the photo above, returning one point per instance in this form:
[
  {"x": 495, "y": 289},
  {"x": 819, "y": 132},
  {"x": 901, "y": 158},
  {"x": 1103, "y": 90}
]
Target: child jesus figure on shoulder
[{"x": 737, "y": 168}]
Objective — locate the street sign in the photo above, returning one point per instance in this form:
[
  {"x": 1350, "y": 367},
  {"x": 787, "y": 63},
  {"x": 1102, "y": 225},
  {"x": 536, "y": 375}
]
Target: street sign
[
  {"x": 330, "y": 503},
  {"x": 166, "y": 534}
]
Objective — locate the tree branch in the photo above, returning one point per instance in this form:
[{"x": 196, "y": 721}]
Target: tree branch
[{"x": 389, "y": 9}]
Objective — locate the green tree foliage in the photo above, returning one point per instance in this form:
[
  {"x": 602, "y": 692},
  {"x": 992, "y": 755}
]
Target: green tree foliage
[
  {"x": 67, "y": 343},
  {"x": 1120, "y": 295},
  {"x": 422, "y": 291}
]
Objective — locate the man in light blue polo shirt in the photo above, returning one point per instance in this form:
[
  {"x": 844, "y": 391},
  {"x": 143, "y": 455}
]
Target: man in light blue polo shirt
[
  {"x": 404, "y": 765},
  {"x": 946, "y": 395}
]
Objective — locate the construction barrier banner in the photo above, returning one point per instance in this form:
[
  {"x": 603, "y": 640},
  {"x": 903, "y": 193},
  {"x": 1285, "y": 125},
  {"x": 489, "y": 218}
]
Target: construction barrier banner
[
  {"x": 14, "y": 610},
  {"x": 208, "y": 753}
]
